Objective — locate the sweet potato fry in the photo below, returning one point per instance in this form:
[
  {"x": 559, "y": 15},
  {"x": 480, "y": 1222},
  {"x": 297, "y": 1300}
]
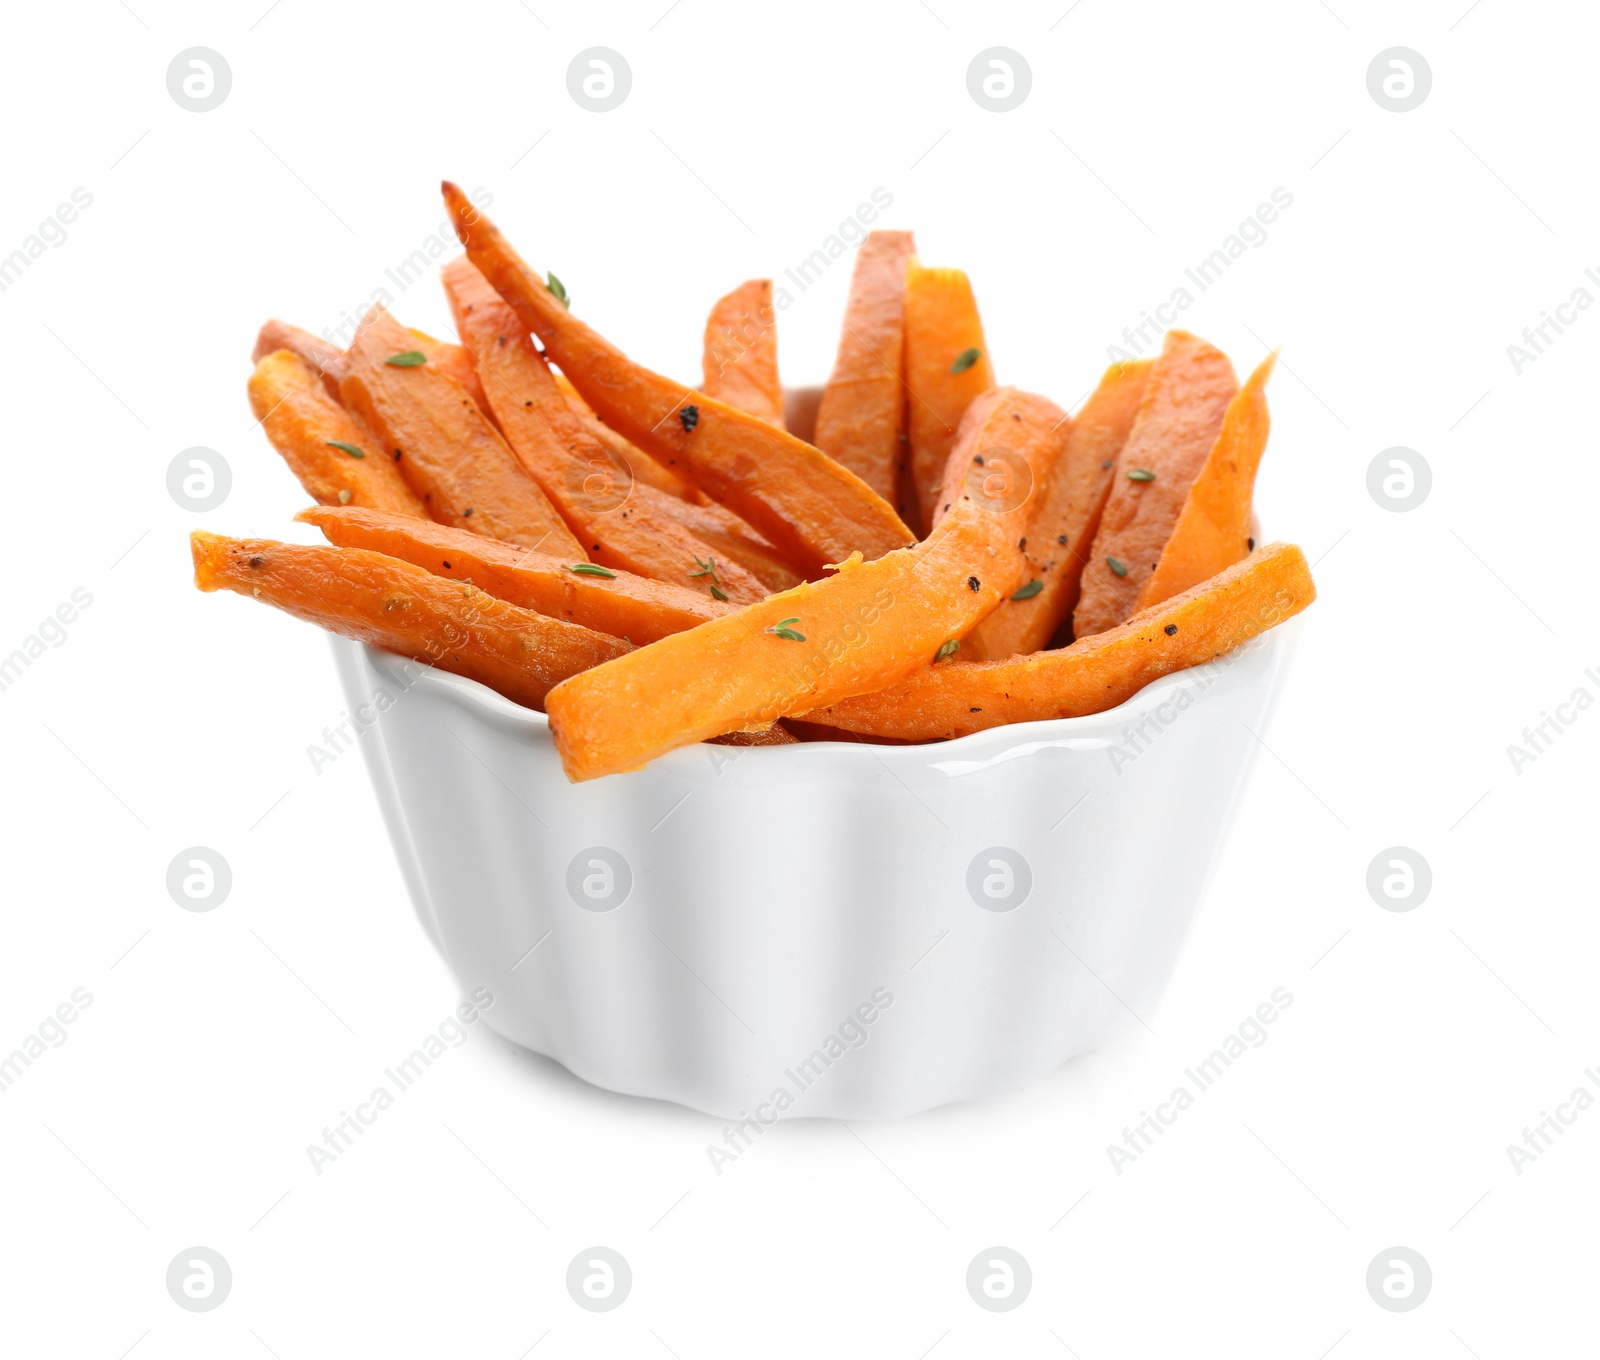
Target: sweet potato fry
[
  {"x": 800, "y": 412},
  {"x": 1184, "y": 400},
  {"x": 810, "y": 731},
  {"x": 728, "y": 536},
  {"x": 946, "y": 366},
  {"x": 714, "y": 525},
  {"x": 739, "y": 356},
  {"x": 620, "y": 603},
  {"x": 776, "y": 735},
  {"x": 454, "y": 362},
  {"x": 621, "y": 524},
  {"x": 861, "y": 421},
  {"x": 1008, "y": 449},
  {"x": 326, "y": 359},
  {"x": 804, "y": 503},
  {"x": 732, "y": 540},
  {"x": 645, "y": 468},
  {"x": 337, "y": 459},
  {"x": 1007, "y": 444},
  {"x": 1213, "y": 528},
  {"x": 445, "y": 447},
  {"x": 329, "y": 360},
  {"x": 1065, "y": 517},
  {"x": 1094, "y": 673},
  {"x": 406, "y": 609},
  {"x": 858, "y": 630}
]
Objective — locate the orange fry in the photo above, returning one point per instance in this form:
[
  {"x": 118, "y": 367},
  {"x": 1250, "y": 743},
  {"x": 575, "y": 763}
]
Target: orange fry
[
  {"x": 803, "y": 502},
  {"x": 404, "y": 609},
  {"x": 1094, "y": 673},
  {"x": 445, "y": 447},
  {"x": 861, "y": 421},
  {"x": 740, "y": 354},
  {"x": 619, "y": 603},
  {"x": 338, "y": 460}
]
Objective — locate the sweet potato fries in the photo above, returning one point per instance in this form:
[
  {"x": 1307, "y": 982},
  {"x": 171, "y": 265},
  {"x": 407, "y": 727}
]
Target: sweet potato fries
[{"x": 655, "y": 564}]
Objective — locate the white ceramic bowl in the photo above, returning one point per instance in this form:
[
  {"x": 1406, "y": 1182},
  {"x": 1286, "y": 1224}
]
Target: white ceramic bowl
[{"x": 827, "y": 929}]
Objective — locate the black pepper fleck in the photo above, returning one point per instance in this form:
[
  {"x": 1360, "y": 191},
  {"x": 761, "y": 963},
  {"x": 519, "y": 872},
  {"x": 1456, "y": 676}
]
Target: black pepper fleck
[
  {"x": 978, "y": 459},
  {"x": 1022, "y": 544},
  {"x": 467, "y": 512},
  {"x": 258, "y": 562},
  {"x": 1105, "y": 463},
  {"x": 689, "y": 417},
  {"x": 1170, "y": 629},
  {"x": 974, "y": 710},
  {"x": 447, "y": 566},
  {"x": 972, "y": 583},
  {"x": 1061, "y": 539},
  {"x": 1250, "y": 544}
]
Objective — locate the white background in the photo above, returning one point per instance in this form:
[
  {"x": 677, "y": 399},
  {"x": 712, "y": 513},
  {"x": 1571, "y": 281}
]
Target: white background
[{"x": 218, "y": 1045}]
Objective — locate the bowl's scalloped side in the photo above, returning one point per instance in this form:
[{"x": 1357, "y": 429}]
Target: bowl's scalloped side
[{"x": 798, "y": 879}]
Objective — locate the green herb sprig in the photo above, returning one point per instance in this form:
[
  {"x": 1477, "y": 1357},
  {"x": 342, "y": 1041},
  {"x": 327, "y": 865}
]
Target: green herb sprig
[{"x": 715, "y": 584}]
